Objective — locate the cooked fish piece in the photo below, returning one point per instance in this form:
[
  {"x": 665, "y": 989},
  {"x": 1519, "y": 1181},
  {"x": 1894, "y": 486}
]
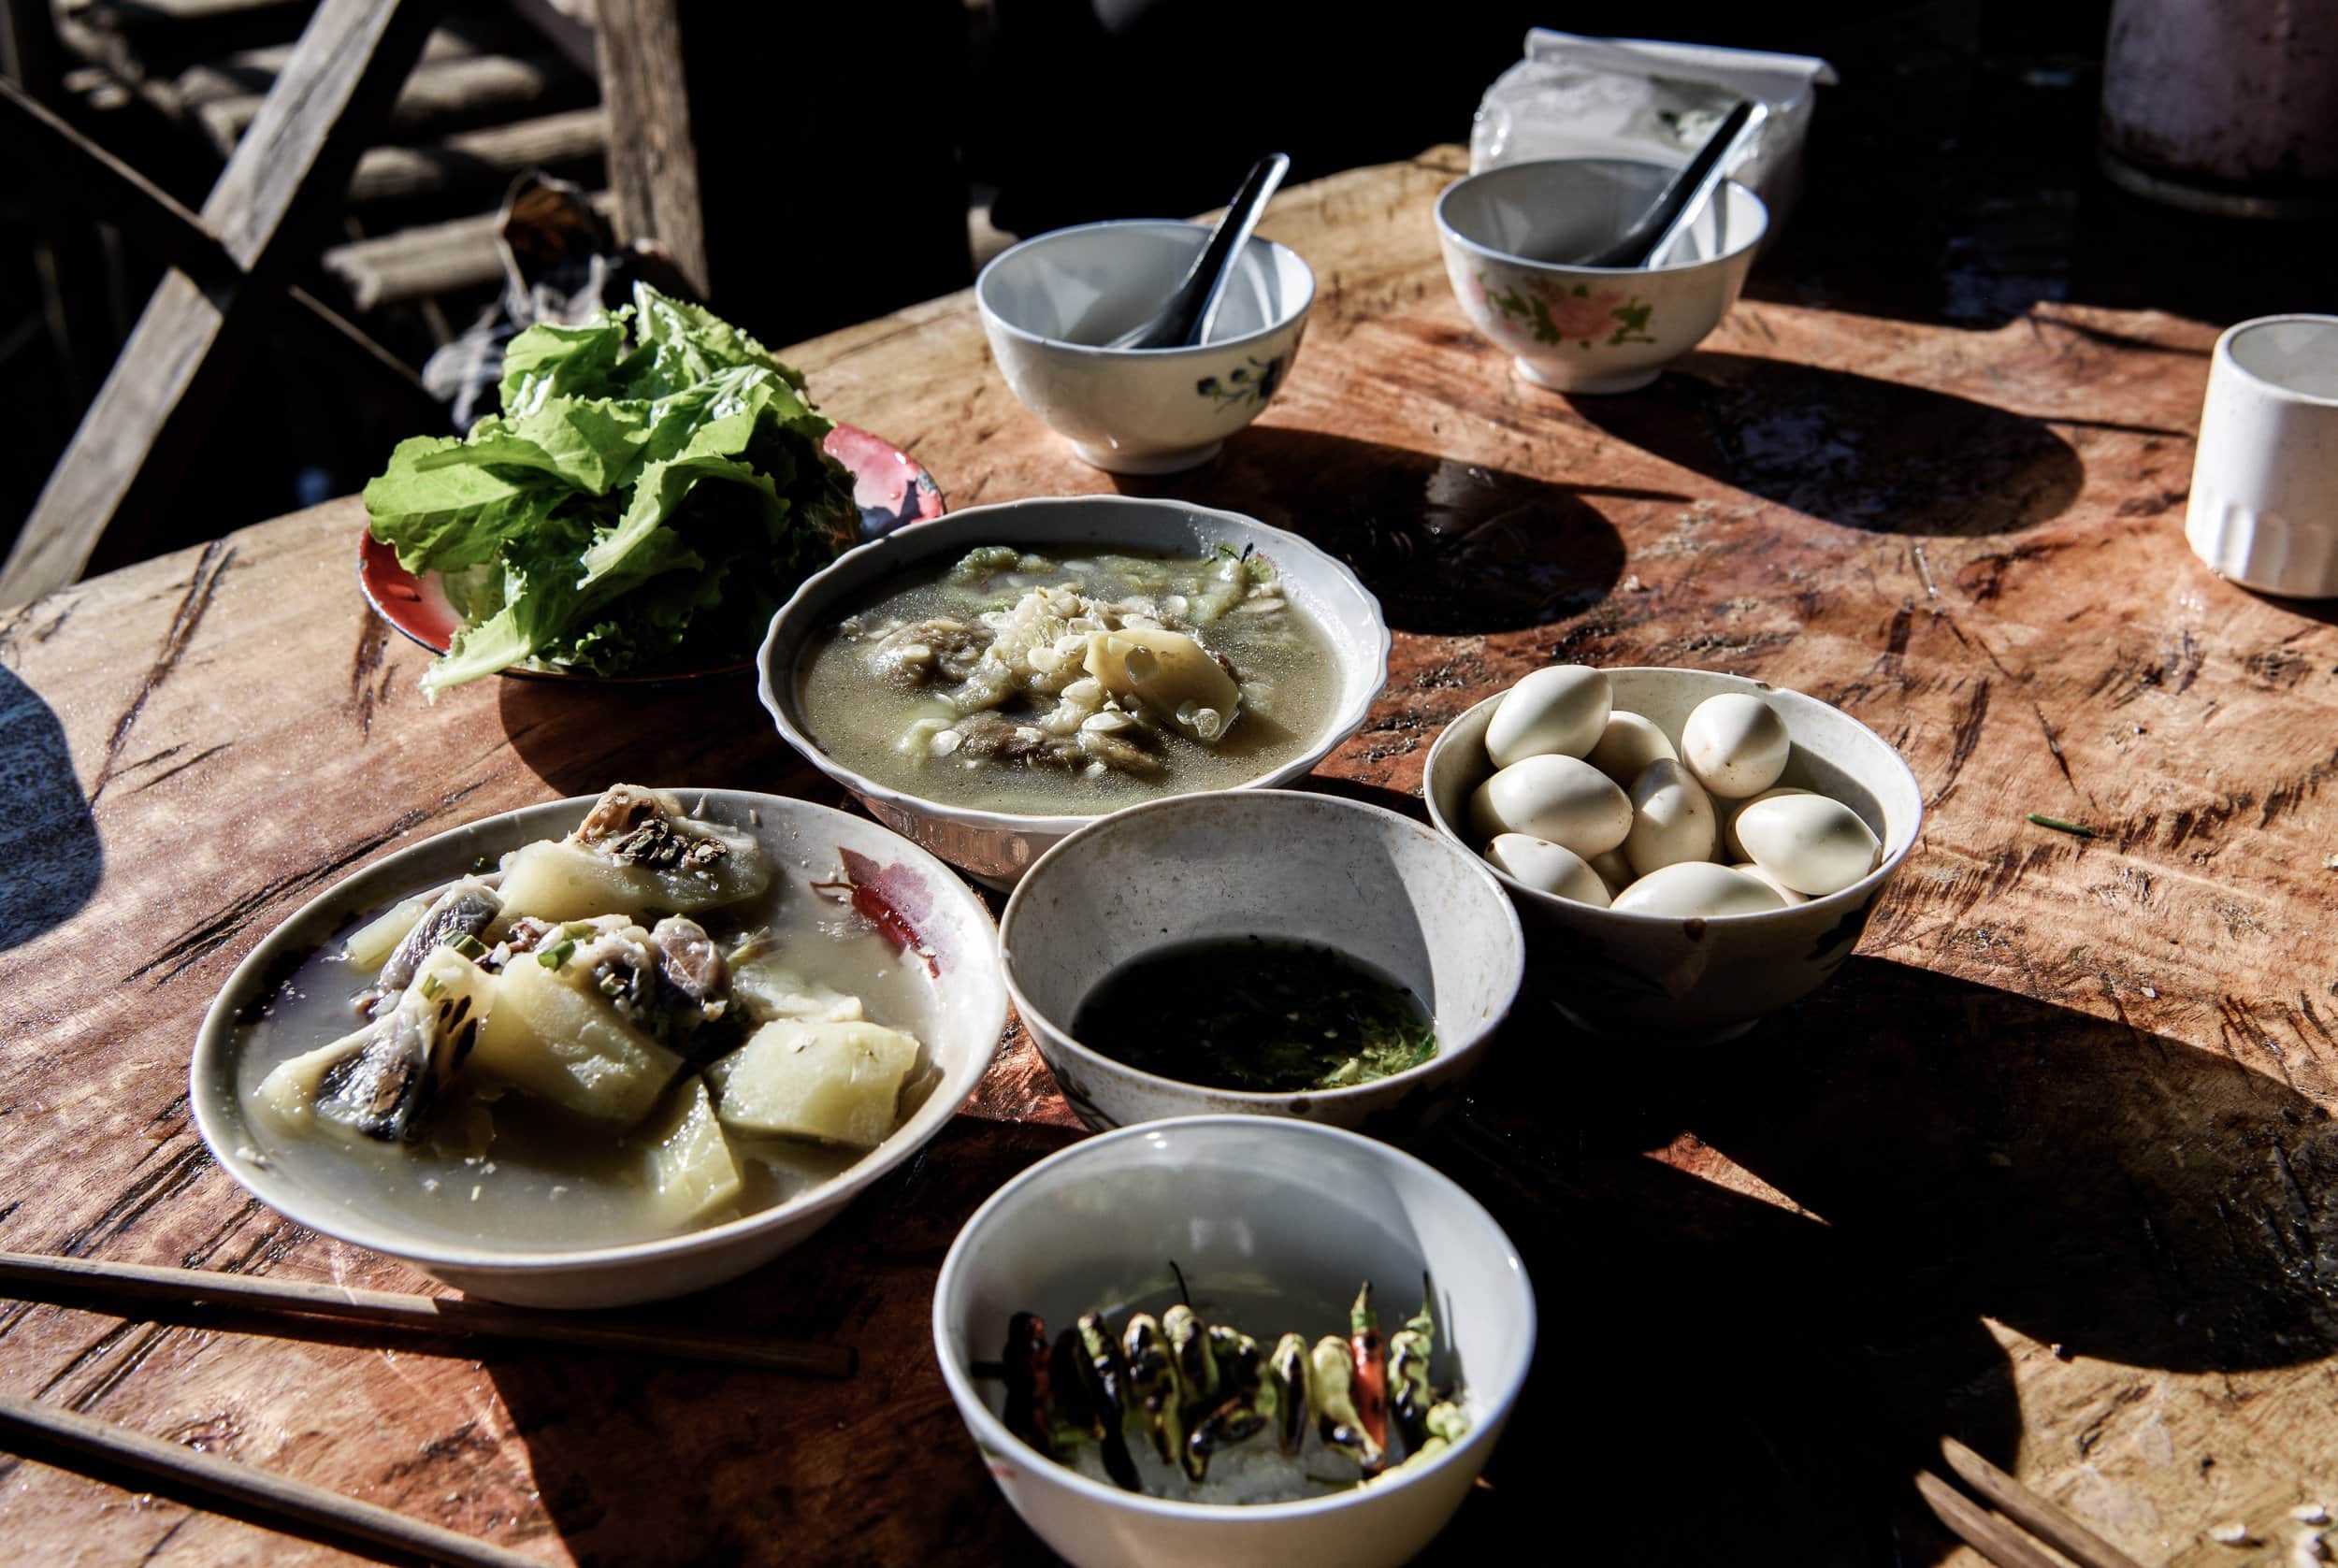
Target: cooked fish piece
[
  {"x": 636, "y": 850},
  {"x": 378, "y": 1082},
  {"x": 939, "y": 649},
  {"x": 464, "y": 910}
]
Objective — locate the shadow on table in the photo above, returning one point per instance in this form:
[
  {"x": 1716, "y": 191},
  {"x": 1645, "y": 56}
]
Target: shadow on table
[
  {"x": 48, "y": 839},
  {"x": 708, "y": 733},
  {"x": 1712, "y": 1367},
  {"x": 1448, "y": 547},
  {"x": 647, "y": 1463},
  {"x": 1715, "y": 1367},
  {"x": 1849, "y": 449}
]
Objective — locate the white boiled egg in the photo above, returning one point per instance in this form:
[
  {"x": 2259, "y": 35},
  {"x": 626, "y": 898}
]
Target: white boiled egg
[
  {"x": 1630, "y": 743},
  {"x": 1735, "y": 744},
  {"x": 1613, "y": 870},
  {"x": 1812, "y": 843},
  {"x": 1672, "y": 818},
  {"x": 1548, "y": 868},
  {"x": 1749, "y": 868},
  {"x": 1561, "y": 798},
  {"x": 1732, "y": 810},
  {"x": 1698, "y": 888},
  {"x": 1559, "y": 712}
]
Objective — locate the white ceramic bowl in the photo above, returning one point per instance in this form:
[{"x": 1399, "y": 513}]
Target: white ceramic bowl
[
  {"x": 1589, "y": 329},
  {"x": 962, "y": 1015},
  {"x": 1689, "y": 980},
  {"x": 1380, "y": 887},
  {"x": 1049, "y": 302},
  {"x": 998, "y": 847},
  {"x": 1274, "y": 1223}
]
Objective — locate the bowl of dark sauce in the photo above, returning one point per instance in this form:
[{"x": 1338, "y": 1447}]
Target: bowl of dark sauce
[{"x": 1267, "y": 952}]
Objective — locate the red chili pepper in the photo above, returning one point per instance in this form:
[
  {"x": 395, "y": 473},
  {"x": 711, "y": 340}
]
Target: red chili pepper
[{"x": 1371, "y": 1386}]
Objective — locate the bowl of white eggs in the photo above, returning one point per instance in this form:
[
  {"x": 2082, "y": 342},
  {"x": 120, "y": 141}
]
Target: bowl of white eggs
[{"x": 1688, "y": 851}]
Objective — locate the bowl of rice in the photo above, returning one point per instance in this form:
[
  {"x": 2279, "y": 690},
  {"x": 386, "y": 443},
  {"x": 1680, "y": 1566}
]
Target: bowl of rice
[{"x": 1262, "y": 1225}]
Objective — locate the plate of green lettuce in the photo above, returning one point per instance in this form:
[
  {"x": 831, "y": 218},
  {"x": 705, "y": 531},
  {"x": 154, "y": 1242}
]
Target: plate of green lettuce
[{"x": 654, "y": 489}]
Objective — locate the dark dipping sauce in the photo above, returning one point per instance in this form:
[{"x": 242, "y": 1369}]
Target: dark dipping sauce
[{"x": 1261, "y": 1014}]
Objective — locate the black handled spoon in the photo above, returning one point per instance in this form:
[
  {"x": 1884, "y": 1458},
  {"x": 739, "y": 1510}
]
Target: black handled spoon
[
  {"x": 1186, "y": 318},
  {"x": 1683, "y": 196}
]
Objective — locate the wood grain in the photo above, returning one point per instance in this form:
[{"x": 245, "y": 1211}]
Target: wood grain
[
  {"x": 652, "y": 151},
  {"x": 2050, "y": 1166}
]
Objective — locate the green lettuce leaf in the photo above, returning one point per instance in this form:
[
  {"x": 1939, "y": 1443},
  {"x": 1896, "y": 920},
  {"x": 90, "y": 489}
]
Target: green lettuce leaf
[
  {"x": 441, "y": 514},
  {"x": 548, "y": 361}
]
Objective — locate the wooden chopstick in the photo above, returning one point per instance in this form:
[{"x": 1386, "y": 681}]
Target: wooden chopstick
[
  {"x": 435, "y": 1315},
  {"x": 2033, "y": 1513},
  {"x": 263, "y": 1490},
  {"x": 1992, "y": 1535}
]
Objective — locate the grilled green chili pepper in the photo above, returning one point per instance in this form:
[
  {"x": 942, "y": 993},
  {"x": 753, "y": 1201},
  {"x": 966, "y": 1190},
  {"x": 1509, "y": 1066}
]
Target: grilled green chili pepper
[
  {"x": 1337, "y": 1420},
  {"x": 1246, "y": 1410},
  {"x": 1072, "y": 1415},
  {"x": 1286, "y": 1383},
  {"x": 1025, "y": 1360},
  {"x": 1189, "y": 1347},
  {"x": 1443, "y": 1425},
  {"x": 1154, "y": 1382},
  {"x": 1107, "y": 1388},
  {"x": 1408, "y": 1393}
]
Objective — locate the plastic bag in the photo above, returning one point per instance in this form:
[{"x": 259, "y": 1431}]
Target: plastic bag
[{"x": 1579, "y": 97}]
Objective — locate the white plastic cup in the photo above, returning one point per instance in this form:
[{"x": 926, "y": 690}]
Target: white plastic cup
[{"x": 2264, "y": 506}]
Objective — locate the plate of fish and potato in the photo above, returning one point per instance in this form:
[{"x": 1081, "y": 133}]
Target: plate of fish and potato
[
  {"x": 1267, "y": 951},
  {"x": 604, "y": 1050},
  {"x": 1689, "y": 850},
  {"x": 1234, "y": 1229},
  {"x": 990, "y": 682}
]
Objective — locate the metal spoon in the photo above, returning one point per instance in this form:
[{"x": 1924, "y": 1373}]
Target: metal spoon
[
  {"x": 1188, "y": 316},
  {"x": 1682, "y": 199}
]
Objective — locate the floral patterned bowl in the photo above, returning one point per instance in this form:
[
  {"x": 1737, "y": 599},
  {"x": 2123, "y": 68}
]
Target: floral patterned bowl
[
  {"x": 1589, "y": 329},
  {"x": 1049, "y": 302}
]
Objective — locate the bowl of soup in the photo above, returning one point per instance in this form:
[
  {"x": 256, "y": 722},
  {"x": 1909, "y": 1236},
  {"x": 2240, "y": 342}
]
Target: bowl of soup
[
  {"x": 604, "y": 1050},
  {"x": 989, "y": 683}
]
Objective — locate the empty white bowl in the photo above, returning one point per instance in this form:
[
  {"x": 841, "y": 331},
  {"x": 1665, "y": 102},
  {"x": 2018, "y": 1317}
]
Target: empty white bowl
[
  {"x": 962, "y": 1014},
  {"x": 1274, "y": 1223},
  {"x": 998, "y": 847},
  {"x": 1049, "y": 302},
  {"x": 1692, "y": 979},
  {"x": 1379, "y": 888},
  {"x": 1589, "y": 329}
]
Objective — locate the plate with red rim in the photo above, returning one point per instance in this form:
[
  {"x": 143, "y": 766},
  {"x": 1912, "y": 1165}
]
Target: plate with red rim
[{"x": 891, "y": 488}]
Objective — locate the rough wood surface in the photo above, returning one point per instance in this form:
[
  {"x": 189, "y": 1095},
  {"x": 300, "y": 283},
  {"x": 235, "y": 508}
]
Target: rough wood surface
[
  {"x": 2050, "y": 1166},
  {"x": 483, "y": 160},
  {"x": 158, "y": 400},
  {"x": 652, "y": 154}
]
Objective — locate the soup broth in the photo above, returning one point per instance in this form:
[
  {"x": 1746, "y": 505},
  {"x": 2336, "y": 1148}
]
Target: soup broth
[{"x": 1019, "y": 683}]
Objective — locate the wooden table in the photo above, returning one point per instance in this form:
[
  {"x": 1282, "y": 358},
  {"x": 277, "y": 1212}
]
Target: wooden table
[{"x": 2050, "y": 1166}]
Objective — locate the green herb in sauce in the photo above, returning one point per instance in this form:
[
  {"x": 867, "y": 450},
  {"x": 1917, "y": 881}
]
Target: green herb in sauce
[{"x": 1256, "y": 1014}]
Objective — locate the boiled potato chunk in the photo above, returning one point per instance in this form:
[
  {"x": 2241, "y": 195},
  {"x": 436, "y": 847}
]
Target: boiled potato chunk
[
  {"x": 769, "y": 992},
  {"x": 550, "y": 1037},
  {"x": 557, "y": 879},
  {"x": 369, "y": 945},
  {"x": 1169, "y": 672},
  {"x": 830, "y": 1080},
  {"x": 690, "y": 1169}
]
